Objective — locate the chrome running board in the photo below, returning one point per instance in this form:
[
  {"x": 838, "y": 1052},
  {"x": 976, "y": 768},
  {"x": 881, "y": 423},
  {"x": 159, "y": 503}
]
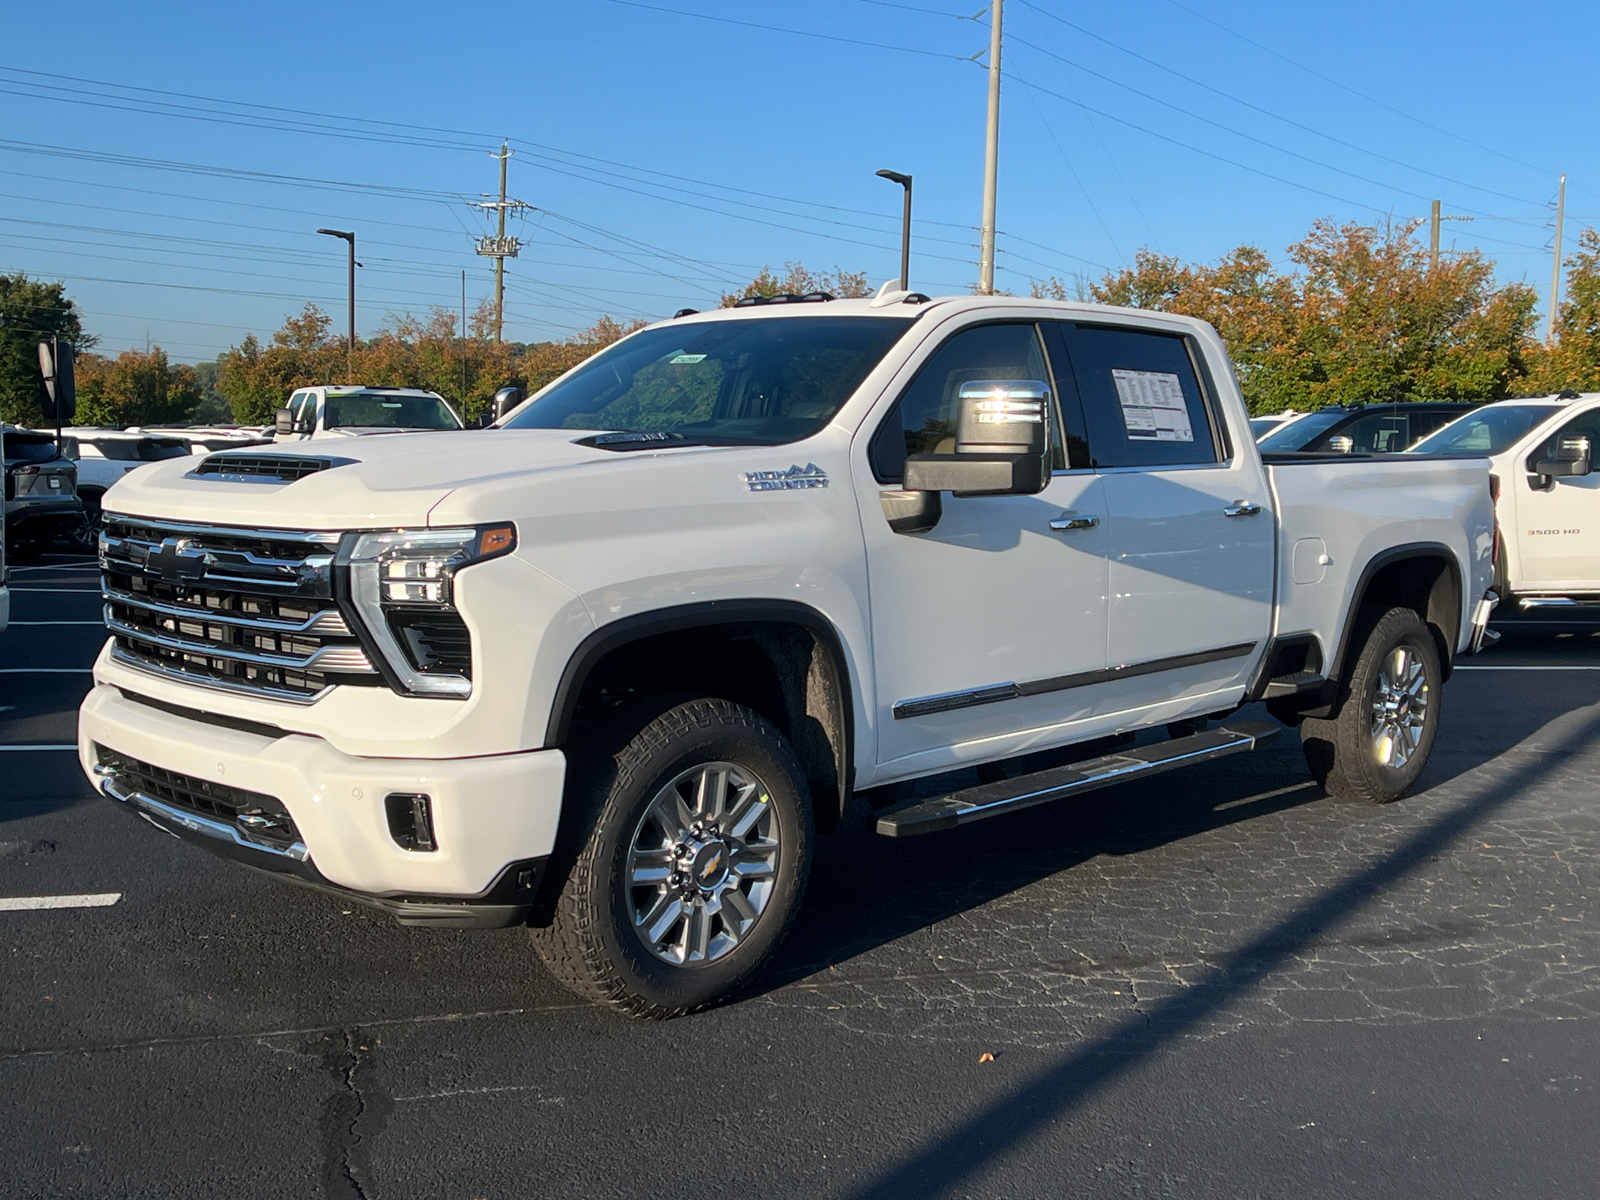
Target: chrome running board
[{"x": 1057, "y": 783}]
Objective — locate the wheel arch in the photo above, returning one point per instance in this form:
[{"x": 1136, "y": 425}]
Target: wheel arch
[
  {"x": 1424, "y": 576},
  {"x": 797, "y": 676}
]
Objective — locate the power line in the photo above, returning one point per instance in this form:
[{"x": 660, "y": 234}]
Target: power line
[{"x": 827, "y": 37}]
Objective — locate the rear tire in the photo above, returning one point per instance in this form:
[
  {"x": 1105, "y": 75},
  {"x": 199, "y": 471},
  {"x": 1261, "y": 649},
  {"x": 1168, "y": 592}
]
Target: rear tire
[
  {"x": 693, "y": 844},
  {"x": 1379, "y": 742}
]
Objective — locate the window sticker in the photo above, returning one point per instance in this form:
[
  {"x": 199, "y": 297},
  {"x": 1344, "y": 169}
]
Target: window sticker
[
  {"x": 1153, "y": 409},
  {"x": 687, "y": 358}
]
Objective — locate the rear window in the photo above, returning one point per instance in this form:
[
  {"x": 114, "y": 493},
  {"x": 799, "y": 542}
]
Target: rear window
[
  {"x": 139, "y": 449},
  {"x": 30, "y": 448},
  {"x": 1297, "y": 435}
]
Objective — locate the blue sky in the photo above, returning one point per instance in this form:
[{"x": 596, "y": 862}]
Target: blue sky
[{"x": 673, "y": 147}]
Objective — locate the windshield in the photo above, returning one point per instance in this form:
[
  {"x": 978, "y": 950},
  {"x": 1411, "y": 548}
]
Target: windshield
[
  {"x": 388, "y": 411},
  {"x": 1489, "y": 430},
  {"x": 1298, "y": 434},
  {"x": 764, "y": 381}
]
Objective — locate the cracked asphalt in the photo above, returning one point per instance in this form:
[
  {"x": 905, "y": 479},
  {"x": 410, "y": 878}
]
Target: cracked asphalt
[{"x": 1215, "y": 983}]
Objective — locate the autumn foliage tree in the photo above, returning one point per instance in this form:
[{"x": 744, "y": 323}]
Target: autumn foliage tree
[
  {"x": 1358, "y": 317},
  {"x": 409, "y": 351},
  {"x": 31, "y": 311},
  {"x": 135, "y": 388},
  {"x": 1573, "y": 359},
  {"x": 797, "y": 281}
]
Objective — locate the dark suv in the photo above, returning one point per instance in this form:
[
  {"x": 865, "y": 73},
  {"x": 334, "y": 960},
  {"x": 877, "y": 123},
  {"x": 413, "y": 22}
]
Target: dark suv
[
  {"x": 1364, "y": 428},
  {"x": 41, "y": 495}
]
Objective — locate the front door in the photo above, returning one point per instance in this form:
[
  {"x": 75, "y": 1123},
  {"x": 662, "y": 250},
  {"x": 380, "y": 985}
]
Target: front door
[
  {"x": 1192, "y": 531},
  {"x": 1004, "y": 594},
  {"x": 1558, "y": 534}
]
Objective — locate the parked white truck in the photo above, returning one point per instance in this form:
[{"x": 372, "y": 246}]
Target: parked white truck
[
  {"x": 609, "y": 667},
  {"x": 320, "y": 412},
  {"x": 1541, "y": 453}
]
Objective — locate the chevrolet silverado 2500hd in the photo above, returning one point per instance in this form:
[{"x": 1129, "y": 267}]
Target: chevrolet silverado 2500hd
[
  {"x": 608, "y": 667},
  {"x": 1541, "y": 452}
]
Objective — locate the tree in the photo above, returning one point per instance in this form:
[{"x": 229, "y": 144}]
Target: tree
[
  {"x": 798, "y": 282},
  {"x": 1573, "y": 360},
  {"x": 135, "y": 388},
  {"x": 31, "y": 311},
  {"x": 1360, "y": 318}
]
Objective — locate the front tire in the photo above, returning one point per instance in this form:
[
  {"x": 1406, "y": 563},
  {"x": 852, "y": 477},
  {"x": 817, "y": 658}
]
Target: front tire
[
  {"x": 1376, "y": 746},
  {"x": 696, "y": 848}
]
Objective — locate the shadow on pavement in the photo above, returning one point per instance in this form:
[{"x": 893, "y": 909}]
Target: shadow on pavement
[{"x": 959, "y": 1153}]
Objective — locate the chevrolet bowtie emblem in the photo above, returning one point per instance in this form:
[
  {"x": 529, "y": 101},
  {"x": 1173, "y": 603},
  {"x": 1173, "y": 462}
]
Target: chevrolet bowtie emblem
[{"x": 177, "y": 562}]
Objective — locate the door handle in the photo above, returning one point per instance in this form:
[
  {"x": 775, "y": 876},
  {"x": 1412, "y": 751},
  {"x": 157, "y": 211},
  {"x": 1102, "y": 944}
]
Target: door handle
[
  {"x": 1241, "y": 508},
  {"x": 1067, "y": 521}
]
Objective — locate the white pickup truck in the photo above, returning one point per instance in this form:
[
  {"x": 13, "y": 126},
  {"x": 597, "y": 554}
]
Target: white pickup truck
[
  {"x": 351, "y": 411},
  {"x": 1541, "y": 453},
  {"x": 608, "y": 667}
]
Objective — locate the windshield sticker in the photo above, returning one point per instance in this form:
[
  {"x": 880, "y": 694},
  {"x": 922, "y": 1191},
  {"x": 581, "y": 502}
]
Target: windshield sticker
[
  {"x": 795, "y": 479},
  {"x": 687, "y": 358},
  {"x": 1153, "y": 409}
]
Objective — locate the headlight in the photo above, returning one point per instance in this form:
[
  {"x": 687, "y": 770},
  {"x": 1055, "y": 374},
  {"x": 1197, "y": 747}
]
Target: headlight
[{"x": 402, "y": 584}]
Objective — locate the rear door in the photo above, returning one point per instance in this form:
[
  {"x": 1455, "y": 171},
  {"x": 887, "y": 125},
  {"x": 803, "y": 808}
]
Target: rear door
[
  {"x": 1193, "y": 536},
  {"x": 1558, "y": 532}
]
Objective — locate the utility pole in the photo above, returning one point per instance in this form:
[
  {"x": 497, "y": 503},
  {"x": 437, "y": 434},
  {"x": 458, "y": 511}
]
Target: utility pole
[
  {"x": 463, "y": 342},
  {"x": 1433, "y": 241},
  {"x": 500, "y": 247},
  {"x": 1555, "y": 268},
  {"x": 991, "y": 158}
]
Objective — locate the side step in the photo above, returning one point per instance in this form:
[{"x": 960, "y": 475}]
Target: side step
[{"x": 1041, "y": 787}]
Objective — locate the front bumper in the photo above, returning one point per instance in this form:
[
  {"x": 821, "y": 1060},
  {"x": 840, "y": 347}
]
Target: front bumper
[{"x": 494, "y": 817}]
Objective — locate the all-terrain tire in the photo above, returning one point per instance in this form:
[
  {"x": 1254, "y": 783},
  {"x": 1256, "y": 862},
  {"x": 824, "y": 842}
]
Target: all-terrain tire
[
  {"x": 594, "y": 943},
  {"x": 1377, "y": 744}
]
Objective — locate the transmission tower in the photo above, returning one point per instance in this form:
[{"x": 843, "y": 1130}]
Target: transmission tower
[{"x": 500, "y": 247}]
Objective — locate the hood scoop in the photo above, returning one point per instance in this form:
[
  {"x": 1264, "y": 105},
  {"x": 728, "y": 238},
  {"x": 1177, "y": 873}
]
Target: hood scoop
[{"x": 263, "y": 468}]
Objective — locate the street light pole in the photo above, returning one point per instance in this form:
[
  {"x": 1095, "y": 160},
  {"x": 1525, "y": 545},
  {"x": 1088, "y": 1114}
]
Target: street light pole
[
  {"x": 905, "y": 228},
  {"x": 351, "y": 238}
]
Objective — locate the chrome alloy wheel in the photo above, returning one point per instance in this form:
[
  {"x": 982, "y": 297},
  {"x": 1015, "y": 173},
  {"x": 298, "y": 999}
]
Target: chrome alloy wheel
[
  {"x": 702, "y": 864},
  {"x": 1399, "y": 708}
]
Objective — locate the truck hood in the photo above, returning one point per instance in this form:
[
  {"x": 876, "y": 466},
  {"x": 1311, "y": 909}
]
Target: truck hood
[{"x": 371, "y": 482}]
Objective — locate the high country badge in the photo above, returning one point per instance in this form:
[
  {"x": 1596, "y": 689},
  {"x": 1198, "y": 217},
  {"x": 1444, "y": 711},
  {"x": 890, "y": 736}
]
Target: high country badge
[{"x": 793, "y": 480}]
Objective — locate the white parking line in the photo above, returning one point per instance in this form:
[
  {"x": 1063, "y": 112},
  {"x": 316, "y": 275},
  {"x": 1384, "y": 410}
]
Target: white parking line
[
  {"x": 90, "y": 900},
  {"x": 42, "y": 746},
  {"x": 45, "y": 670},
  {"x": 77, "y": 566},
  {"x": 1528, "y": 667},
  {"x": 83, "y": 591},
  {"x": 16, "y": 623}
]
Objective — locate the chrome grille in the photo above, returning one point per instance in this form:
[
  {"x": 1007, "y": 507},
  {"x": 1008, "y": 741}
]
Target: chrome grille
[{"x": 246, "y": 610}]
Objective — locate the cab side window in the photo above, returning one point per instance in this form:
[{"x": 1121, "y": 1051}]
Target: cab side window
[
  {"x": 923, "y": 420},
  {"x": 297, "y": 406},
  {"x": 1141, "y": 397},
  {"x": 1583, "y": 425},
  {"x": 1380, "y": 433}
]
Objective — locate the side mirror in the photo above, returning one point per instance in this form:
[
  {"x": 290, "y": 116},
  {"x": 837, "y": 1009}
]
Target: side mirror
[
  {"x": 1572, "y": 456},
  {"x": 283, "y": 422},
  {"x": 1002, "y": 436},
  {"x": 505, "y": 400},
  {"x": 1341, "y": 445}
]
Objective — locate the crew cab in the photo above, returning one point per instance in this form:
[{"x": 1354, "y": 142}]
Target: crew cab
[
  {"x": 1541, "y": 451},
  {"x": 609, "y": 669},
  {"x": 41, "y": 493},
  {"x": 319, "y": 412}
]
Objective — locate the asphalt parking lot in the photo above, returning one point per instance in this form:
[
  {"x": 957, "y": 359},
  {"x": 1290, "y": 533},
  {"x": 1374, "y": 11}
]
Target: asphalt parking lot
[{"x": 1215, "y": 983}]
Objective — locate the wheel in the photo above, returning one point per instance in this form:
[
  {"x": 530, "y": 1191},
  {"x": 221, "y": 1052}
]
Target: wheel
[
  {"x": 86, "y": 535},
  {"x": 695, "y": 847},
  {"x": 1378, "y": 743}
]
